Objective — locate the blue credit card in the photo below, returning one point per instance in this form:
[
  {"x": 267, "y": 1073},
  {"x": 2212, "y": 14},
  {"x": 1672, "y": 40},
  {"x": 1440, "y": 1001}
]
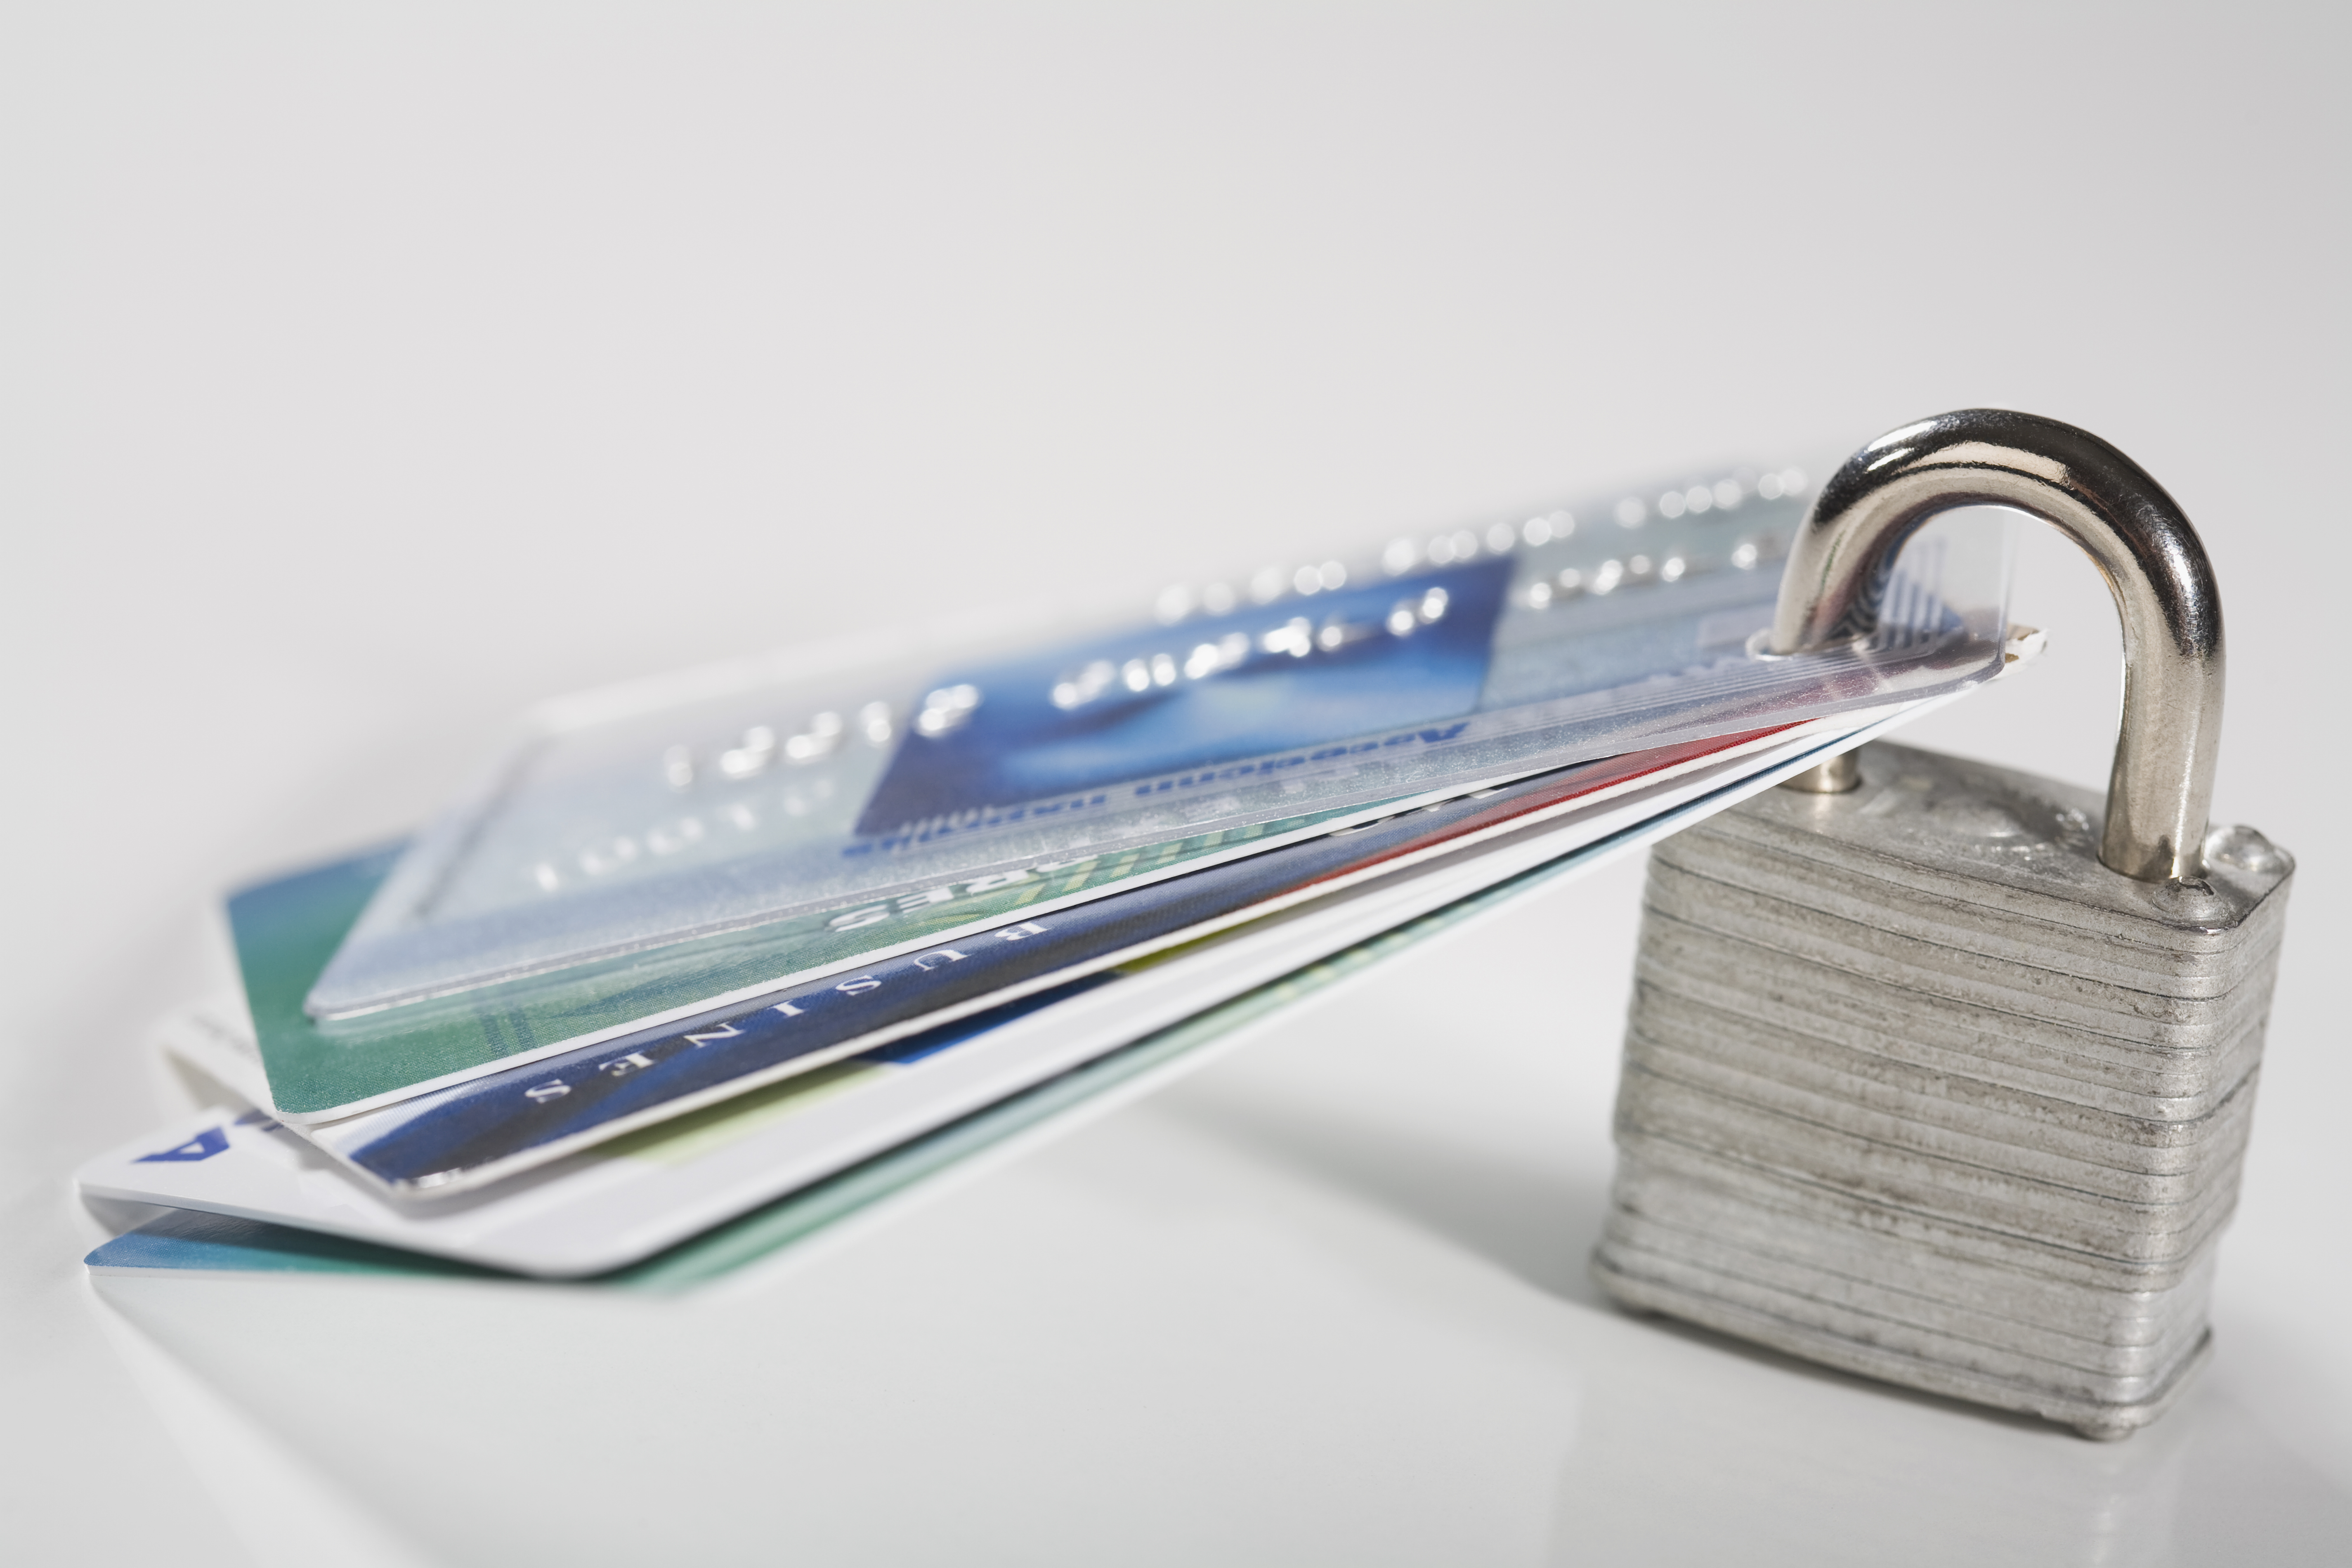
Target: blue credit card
[{"x": 712, "y": 804}]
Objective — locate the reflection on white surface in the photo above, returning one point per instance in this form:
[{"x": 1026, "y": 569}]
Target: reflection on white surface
[
  {"x": 284, "y": 1512},
  {"x": 1325, "y": 1302}
]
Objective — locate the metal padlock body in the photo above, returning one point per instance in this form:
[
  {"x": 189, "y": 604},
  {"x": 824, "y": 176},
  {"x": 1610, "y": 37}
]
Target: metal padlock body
[
  {"x": 1785, "y": 1116},
  {"x": 1917, "y": 1086}
]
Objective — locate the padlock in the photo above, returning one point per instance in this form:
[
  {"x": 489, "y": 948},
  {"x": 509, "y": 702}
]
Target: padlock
[{"x": 1941, "y": 1073}]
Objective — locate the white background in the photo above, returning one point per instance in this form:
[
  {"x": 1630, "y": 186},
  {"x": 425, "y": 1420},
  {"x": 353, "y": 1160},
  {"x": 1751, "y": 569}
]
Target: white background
[{"x": 369, "y": 373}]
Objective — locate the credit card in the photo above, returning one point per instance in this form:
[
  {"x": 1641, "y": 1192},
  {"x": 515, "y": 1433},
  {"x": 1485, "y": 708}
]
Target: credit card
[
  {"x": 876, "y": 1124},
  {"x": 719, "y": 803}
]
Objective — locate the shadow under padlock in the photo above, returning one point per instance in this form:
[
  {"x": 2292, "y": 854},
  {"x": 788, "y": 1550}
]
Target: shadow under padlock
[{"x": 1942, "y": 1073}]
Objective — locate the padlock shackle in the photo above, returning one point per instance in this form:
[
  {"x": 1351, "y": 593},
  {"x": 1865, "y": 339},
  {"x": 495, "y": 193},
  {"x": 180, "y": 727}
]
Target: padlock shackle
[{"x": 2161, "y": 786}]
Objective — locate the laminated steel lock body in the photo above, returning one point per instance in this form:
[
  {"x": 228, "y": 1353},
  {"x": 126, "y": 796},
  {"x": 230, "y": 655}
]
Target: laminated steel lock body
[{"x": 1942, "y": 1073}]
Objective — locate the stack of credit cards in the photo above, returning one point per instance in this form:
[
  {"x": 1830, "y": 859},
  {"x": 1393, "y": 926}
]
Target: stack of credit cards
[{"x": 697, "y": 948}]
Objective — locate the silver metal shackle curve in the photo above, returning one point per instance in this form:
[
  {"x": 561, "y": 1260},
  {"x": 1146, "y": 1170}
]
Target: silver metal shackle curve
[{"x": 2161, "y": 786}]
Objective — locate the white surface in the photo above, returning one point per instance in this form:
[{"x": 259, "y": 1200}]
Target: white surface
[{"x": 369, "y": 377}]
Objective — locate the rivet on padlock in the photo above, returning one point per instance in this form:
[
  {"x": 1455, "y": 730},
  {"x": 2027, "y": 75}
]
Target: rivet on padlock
[{"x": 1942, "y": 1073}]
